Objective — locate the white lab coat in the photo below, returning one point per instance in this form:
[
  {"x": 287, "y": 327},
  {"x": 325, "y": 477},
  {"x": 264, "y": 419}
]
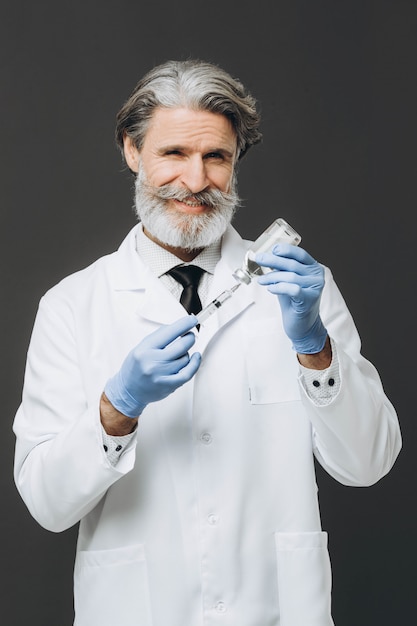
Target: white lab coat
[{"x": 211, "y": 515}]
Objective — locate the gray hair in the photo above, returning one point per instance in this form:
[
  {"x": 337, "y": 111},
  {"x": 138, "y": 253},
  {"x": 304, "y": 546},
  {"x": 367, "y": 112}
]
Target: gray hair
[{"x": 192, "y": 84}]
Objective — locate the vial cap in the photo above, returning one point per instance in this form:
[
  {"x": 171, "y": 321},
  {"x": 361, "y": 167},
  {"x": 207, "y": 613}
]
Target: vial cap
[{"x": 241, "y": 275}]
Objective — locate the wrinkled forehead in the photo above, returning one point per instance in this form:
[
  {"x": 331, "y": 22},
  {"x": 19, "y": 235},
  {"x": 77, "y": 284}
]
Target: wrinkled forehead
[{"x": 179, "y": 126}]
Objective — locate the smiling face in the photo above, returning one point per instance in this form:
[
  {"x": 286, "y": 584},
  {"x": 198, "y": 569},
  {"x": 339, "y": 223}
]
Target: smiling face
[{"x": 187, "y": 163}]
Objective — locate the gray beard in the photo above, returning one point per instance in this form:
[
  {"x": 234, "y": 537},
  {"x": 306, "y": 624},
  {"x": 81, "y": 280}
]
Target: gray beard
[{"x": 179, "y": 230}]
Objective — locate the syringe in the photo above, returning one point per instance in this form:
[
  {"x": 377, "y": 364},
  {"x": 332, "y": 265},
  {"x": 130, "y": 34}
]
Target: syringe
[
  {"x": 216, "y": 304},
  {"x": 278, "y": 231}
]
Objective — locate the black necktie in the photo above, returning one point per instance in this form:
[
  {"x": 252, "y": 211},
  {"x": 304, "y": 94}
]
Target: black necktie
[{"x": 188, "y": 276}]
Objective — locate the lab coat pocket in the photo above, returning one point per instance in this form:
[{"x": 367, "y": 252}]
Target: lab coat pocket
[
  {"x": 271, "y": 364},
  {"x": 304, "y": 579},
  {"x": 111, "y": 587}
]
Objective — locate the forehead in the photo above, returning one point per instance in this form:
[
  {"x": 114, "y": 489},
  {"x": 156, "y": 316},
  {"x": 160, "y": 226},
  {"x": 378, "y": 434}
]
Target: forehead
[{"x": 185, "y": 126}]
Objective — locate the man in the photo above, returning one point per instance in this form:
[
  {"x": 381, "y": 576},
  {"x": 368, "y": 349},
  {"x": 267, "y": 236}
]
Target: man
[{"x": 186, "y": 453}]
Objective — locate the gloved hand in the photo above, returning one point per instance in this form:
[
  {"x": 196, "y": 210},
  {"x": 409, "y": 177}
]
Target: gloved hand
[
  {"x": 157, "y": 366},
  {"x": 298, "y": 281}
]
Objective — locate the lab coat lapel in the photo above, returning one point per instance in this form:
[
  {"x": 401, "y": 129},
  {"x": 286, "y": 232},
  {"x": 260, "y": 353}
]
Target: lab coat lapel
[
  {"x": 138, "y": 290},
  {"x": 233, "y": 252},
  {"x": 157, "y": 303}
]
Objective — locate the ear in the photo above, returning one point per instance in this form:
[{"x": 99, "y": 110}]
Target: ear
[{"x": 131, "y": 153}]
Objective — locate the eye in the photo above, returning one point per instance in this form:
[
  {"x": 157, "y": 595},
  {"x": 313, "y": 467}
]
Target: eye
[
  {"x": 214, "y": 155},
  {"x": 173, "y": 152}
]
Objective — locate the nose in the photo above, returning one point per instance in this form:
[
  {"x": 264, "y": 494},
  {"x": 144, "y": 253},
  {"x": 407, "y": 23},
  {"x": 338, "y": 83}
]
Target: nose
[{"x": 194, "y": 174}]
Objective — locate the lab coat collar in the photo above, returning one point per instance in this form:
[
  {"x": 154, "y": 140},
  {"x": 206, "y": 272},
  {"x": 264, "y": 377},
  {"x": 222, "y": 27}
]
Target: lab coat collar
[
  {"x": 138, "y": 286},
  {"x": 128, "y": 271}
]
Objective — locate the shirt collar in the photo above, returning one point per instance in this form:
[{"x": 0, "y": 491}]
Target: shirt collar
[{"x": 160, "y": 261}]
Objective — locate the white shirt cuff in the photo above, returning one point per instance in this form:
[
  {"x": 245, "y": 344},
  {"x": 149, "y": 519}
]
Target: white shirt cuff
[
  {"x": 115, "y": 446},
  {"x": 322, "y": 386}
]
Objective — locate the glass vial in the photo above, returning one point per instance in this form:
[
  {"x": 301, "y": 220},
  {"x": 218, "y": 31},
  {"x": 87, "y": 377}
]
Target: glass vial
[{"x": 278, "y": 231}]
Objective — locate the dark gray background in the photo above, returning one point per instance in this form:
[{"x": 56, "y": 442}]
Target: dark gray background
[{"x": 336, "y": 81}]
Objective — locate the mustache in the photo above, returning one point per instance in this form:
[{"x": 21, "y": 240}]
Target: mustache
[{"x": 213, "y": 198}]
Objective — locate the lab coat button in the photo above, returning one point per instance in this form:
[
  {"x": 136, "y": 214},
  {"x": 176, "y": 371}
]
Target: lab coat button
[
  {"x": 206, "y": 438},
  {"x": 213, "y": 519},
  {"x": 220, "y": 607}
]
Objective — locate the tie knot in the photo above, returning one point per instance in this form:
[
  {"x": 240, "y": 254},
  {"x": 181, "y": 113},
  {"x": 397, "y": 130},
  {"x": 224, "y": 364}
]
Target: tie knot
[{"x": 187, "y": 275}]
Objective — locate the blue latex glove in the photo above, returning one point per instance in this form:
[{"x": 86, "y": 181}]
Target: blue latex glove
[
  {"x": 298, "y": 281},
  {"x": 157, "y": 366}
]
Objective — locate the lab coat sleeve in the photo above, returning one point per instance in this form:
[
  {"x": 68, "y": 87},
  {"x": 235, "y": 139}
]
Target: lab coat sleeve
[
  {"x": 356, "y": 437},
  {"x": 61, "y": 469}
]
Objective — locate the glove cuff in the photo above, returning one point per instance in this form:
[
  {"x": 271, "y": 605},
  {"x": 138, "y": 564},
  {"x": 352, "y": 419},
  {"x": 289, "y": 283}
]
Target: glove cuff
[
  {"x": 314, "y": 341},
  {"x": 121, "y": 398}
]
